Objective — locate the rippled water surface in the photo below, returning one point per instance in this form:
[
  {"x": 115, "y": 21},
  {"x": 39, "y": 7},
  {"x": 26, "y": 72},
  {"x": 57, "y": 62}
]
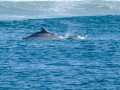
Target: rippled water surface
[{"x": 93, "y": 63}]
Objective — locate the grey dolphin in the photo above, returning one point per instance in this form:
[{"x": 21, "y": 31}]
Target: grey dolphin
[
  {"x": 76, "y": 37},
  {"x": 43, "y": 34}
]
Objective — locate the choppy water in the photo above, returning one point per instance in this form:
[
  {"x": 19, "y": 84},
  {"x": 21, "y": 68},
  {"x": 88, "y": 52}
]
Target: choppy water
[
  {"x": 22, "y": 9},
  {"x": 93, "y": 63},
  {"x": 90, "y": 64}
]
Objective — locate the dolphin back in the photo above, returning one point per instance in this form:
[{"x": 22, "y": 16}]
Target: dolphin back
[{"x": 43, "y": 34}]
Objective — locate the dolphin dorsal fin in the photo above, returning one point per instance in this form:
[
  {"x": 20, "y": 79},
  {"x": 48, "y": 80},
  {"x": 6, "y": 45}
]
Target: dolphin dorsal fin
[{"x": 44, "y": 30}]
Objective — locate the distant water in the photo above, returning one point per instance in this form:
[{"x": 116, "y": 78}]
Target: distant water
[
  {"x": 93, "y": 63},
  {"x": 22, "y": 9}
]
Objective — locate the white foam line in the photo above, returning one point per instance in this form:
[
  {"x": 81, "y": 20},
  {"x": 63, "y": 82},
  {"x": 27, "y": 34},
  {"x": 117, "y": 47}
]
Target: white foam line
[{"x": 57, "y": 0}]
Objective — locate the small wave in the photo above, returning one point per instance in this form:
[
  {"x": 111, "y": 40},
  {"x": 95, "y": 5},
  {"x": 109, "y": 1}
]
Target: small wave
[{"x": 56, "y": 9}]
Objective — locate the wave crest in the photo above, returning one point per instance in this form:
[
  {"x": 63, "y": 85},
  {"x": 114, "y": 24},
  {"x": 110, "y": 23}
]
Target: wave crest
[{"x": 56, "y": 9}]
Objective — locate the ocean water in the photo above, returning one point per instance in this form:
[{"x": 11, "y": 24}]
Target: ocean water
[
  {"x": 19, "y": 9},
  {"x": 90, "y": 64}
]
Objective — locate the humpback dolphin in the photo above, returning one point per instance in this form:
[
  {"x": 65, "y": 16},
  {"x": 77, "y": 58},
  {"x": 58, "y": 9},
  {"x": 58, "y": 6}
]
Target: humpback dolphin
[
  {"x": 76, "y": 37},
  {"x": 43, "y": 34}
]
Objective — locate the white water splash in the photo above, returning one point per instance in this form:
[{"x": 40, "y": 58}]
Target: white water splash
[{"x": 74, "y": 37}]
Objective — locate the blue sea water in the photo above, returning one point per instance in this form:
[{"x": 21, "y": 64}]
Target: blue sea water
[
  {"x": 89, "y": 64},
  {"x": 93, "y": 63}
]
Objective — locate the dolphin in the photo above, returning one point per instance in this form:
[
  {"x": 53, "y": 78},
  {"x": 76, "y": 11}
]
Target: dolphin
[
  {"x": 44, "y": 34},
  {"x": 76, "y": 37}
]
